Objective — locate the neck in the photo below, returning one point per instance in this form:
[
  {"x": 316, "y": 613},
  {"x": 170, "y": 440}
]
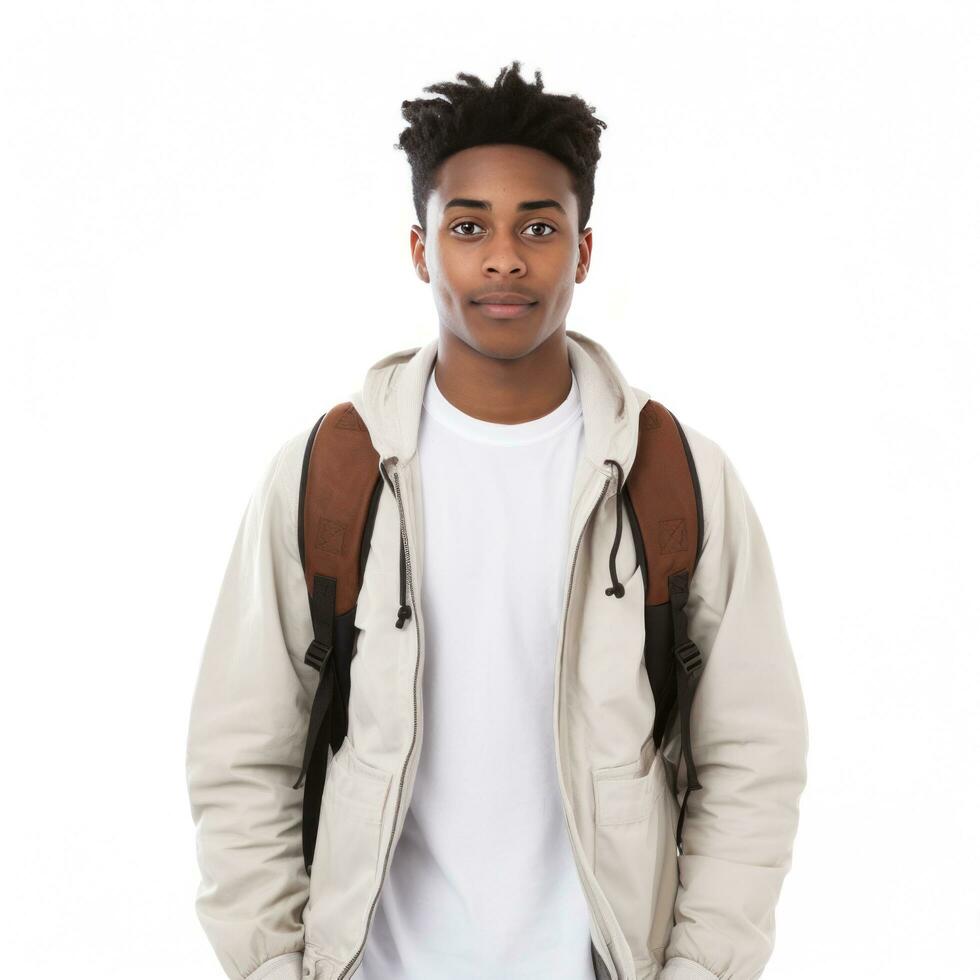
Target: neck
[{"x": 504, "y": 390}]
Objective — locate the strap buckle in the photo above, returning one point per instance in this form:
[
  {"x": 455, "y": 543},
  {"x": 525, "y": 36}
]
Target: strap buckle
[
  {"x": 689, "y": 657},
  {"x": 317, "y": 654}
]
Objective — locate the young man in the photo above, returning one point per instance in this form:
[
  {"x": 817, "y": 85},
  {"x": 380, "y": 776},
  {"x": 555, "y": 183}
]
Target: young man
[{"x": 498, "y": 808}]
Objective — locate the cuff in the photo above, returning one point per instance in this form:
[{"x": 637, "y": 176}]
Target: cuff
[
  {"x": 678, "y": 968},
  {"x": 289, "y": 966}
]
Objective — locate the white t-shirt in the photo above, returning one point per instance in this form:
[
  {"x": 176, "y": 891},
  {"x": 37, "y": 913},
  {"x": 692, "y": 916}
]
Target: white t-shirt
[{"x": 482, "y": 884}]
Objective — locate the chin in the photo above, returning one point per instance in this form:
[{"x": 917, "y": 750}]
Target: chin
[{"x": 506, "y": 339}]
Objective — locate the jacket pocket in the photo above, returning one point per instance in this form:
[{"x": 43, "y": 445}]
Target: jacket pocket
[
  {"x": 635, "y": 853},
  {"x": 343, "y": 877},
  {"x": 318, "y": 966}
]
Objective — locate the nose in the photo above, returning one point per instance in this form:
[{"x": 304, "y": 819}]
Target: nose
[{"x": 506, "y": 262}]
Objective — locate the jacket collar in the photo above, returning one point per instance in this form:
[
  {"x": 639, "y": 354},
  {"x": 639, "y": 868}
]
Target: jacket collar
[{"x": 390, "y": 402}]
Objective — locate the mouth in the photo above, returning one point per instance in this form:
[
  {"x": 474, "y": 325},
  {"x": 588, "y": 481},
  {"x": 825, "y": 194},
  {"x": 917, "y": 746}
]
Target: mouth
[{"x": 505, "y": 311}]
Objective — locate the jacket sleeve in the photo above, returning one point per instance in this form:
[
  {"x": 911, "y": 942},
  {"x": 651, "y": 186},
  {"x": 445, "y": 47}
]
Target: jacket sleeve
[
  {"x": 749, "y": 736},
  {"x": 246, "y": 735}
]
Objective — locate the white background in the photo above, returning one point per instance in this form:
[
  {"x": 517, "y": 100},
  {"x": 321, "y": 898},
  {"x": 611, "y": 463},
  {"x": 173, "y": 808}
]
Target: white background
[{"x": 204, "y": 243}]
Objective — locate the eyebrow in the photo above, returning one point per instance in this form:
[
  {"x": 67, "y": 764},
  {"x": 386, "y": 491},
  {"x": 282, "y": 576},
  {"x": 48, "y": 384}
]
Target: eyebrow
[{"x": 469, "y": 202}]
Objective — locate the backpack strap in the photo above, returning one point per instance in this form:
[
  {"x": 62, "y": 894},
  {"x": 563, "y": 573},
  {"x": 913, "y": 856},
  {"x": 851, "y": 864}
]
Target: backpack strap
[
  {"x": 338, "y": 500},
  {"x": 663, "y": 503}
]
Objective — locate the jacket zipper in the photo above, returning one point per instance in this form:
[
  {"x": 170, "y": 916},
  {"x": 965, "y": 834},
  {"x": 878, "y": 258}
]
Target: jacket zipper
[
  {"x": 561, "y": 652},
  {"x": 395, "y": 485},
  {"x": 393, "y": 482}
]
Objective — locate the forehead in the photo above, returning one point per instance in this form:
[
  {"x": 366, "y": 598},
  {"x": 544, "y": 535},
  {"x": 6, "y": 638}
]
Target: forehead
[{"x": 502, "y": 173}]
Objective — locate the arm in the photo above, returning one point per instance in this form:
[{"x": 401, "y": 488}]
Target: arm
[
  {"x": 750, "y": 741},
  {"x": 246, "y": 736}
]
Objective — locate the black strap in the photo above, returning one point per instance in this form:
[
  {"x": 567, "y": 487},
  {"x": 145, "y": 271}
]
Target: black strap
[
  {"x": 322, "y": 611},
  {"x": 690, "y": 664}
]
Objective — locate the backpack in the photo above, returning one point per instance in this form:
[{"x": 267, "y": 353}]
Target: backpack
[{"x": 340, "y": 487}]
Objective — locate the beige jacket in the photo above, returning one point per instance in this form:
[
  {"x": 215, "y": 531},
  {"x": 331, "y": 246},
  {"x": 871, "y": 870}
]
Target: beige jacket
[{"x": 705, "y": 915}]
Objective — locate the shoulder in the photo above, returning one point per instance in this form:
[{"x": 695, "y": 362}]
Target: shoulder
[
  {"x": 276, "y": 493},
  {"x": 291, "y": 455},
  {"x": 292, "y": 452},
  {"x": 730, "y": 521},
  {"x": 285, "y": 469},
  {"x": 710, "y": 460}
]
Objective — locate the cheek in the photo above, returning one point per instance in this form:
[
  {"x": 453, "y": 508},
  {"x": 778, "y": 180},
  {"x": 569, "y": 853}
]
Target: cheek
[
  {"x": 562, "y": 296},
  {"x": 450, "y": 295},
  {"x": 565, "y": 272},
  {"x": 448, "y": 276}
]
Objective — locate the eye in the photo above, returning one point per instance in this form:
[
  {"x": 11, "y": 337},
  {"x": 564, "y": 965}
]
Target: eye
[
  {"x": 472, "y": 224},
  {"x": 461, "y": 224}
]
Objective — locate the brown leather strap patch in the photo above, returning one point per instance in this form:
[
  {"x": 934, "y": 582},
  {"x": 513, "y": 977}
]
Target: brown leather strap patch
[
  {"x": 662, "y": 492},
  {"x": 341, "y": 476}
]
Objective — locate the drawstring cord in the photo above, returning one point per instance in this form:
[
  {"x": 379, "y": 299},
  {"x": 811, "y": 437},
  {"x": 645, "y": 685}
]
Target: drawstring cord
[{"x": 616, "y": 588}]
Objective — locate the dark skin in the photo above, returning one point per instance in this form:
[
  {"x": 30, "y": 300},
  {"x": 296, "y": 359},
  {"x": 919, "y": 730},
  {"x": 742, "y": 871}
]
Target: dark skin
[{"x": 502, "y": 370}]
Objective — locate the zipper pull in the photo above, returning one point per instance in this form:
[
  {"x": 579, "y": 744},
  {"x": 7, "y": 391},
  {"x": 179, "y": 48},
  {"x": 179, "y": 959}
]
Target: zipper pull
[{"x": 404, "y": 610}]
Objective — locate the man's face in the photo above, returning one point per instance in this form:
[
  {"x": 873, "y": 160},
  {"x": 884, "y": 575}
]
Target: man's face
[{"x": 470, "y": 250}]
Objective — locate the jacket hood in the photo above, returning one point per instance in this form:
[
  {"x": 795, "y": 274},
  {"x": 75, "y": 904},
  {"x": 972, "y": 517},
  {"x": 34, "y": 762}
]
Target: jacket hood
[{"x": 390, "y": 401}]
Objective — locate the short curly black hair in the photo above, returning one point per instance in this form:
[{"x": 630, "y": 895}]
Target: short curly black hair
[{"x": 511, "y": 111}]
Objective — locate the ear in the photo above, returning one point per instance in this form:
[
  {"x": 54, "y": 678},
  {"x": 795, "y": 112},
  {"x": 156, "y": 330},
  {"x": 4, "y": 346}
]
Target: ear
[
  {"x": 584, "y": 255},
  {"x": 417, "y": 246}
]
